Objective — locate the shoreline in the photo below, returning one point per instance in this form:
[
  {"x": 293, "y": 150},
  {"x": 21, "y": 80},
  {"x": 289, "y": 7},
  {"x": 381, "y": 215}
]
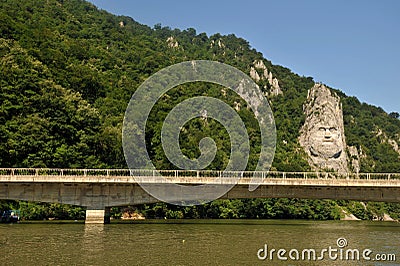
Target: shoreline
[{"x": 207, "y": 221}]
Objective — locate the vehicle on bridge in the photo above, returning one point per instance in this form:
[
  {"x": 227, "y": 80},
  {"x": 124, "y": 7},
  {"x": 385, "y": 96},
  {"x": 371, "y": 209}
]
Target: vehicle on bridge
[{"x": 10, "y": 216}]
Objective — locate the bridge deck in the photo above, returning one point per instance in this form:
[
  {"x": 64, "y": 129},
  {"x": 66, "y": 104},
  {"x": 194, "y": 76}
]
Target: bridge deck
[{"x": 98, "y": 189}]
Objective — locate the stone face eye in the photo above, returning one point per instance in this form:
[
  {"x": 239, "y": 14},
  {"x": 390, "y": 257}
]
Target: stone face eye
[
  {"x": 321, "y": 129},
  {"x": 333, "y": 129}
]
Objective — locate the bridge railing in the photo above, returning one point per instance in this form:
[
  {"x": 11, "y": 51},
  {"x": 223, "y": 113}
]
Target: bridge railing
[
  {"x": 379, "y": 176},
  {"x": 63, "y": 172},
  {"x": 194, "y": 173}
]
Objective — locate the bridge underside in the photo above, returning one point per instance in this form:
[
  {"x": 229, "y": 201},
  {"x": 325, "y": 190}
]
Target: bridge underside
[
  {"x": 384, "y": 194},
  {"x": 97, "y": 197}
]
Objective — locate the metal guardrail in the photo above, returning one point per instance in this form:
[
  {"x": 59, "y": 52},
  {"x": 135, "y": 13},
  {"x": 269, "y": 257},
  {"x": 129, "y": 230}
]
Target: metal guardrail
[{"x": 193, "y": 173}]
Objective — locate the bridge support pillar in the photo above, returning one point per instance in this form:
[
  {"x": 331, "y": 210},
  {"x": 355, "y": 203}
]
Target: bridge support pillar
[{"x": 97, "y": 216}]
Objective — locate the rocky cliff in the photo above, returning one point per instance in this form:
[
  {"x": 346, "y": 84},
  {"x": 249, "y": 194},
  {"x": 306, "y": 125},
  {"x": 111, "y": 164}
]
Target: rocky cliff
[
  {"x": 258, "y": 65},
  {"x": 322, "y": 135}
]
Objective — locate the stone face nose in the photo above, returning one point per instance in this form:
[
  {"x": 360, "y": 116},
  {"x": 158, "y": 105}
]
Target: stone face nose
[{"x": 328, "y": 134}]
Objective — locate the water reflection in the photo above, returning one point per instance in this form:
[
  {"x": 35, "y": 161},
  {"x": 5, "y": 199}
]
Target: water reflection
[{"x": 94, "y": 243}]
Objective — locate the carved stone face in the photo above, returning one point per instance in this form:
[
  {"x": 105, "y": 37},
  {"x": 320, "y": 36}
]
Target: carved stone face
[
  {"x": 322, "y": 135},
  {"x": 325, "y": 140}
]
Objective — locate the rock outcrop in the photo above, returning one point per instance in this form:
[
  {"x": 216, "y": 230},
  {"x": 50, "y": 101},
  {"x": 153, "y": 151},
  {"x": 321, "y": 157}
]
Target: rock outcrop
[
  {"x": 394, "y": 145},
  {"x": 131, "y": 214},
  {"x": 354, "y": 159},
  {"x": 347, "y": 216},
  {"x": 219, "y": 43},
  {"x": 273, "y": 82},
  {"x": 385, "y": 139},
  {"x": 172, "y": 42},
  {"x": 322, "y": 135},
  {"x": 254, "y": 75}
]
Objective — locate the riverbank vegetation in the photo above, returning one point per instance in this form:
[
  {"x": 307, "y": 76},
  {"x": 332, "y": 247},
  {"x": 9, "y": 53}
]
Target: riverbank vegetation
[
  {"x": 68, "y": 70},
  {"x": 220, "y": 209}
]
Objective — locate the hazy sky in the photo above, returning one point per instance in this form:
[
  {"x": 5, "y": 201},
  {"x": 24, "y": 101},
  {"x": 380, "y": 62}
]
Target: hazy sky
[{"x": 351, "y": 45}]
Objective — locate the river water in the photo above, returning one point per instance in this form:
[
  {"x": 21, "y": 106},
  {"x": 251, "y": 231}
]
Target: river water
[{"x": 200, "y": 242}]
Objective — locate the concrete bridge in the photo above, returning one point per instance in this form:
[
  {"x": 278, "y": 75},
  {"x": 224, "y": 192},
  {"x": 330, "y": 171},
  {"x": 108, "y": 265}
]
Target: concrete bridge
[{"x": 100, "y": 189}]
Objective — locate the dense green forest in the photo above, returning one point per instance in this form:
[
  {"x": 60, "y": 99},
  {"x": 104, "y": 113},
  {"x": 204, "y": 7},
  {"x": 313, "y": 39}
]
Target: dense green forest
[{"x": 68, "y": 71}]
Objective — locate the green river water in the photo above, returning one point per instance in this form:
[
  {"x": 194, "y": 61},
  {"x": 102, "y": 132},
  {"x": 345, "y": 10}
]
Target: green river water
[{"x": 200, "y": 242}]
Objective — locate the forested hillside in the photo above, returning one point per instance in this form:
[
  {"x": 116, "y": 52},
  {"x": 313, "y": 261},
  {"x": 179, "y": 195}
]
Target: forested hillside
[{"x": 68, "y": 71}]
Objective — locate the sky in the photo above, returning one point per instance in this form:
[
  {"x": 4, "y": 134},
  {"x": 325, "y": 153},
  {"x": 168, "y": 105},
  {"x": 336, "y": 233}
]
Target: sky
[{"x": 351, "y": 45}]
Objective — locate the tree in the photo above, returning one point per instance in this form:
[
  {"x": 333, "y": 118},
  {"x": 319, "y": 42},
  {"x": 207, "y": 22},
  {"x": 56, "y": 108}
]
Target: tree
[{"x": 395, "y": 115}]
